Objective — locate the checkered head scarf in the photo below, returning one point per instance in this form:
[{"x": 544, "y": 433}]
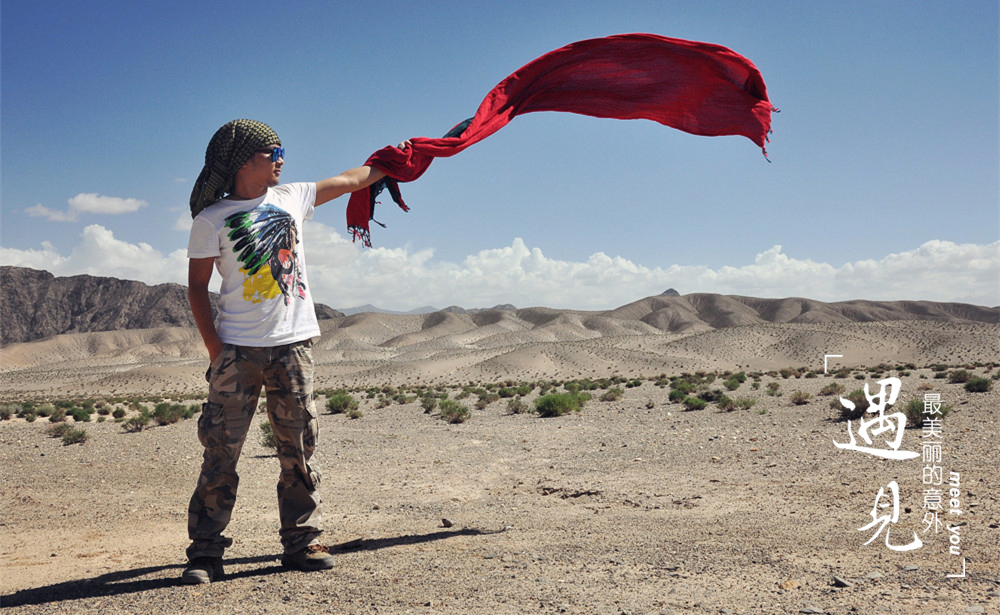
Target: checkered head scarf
[{"x": 230, "y": 148}]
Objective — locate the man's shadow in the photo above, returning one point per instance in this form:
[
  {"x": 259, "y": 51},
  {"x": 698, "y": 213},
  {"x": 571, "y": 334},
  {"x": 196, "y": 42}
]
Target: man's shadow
[{"x": 133, "y": 581}]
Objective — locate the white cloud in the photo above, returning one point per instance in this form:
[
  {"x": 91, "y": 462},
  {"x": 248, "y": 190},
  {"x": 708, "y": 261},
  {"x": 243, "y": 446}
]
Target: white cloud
[
  {"x": 342, "y": 274},
  {"x": 87, "y": 202},
  {"x": 99, "y": 253},
  {"x": 183, "y": 222},
  {"x": 97, "y": 204},
  {"x": 41, "y": 211},
  {"x": 47, "y": 258}
]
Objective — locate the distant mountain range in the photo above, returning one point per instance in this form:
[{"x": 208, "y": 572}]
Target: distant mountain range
[
  {"x": 37, "y": 305},
  {"x": 454, "y": 309}
]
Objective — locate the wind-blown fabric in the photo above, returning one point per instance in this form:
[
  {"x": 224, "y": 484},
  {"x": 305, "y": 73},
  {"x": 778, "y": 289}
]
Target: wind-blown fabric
[{"x": 700, "y": 88}]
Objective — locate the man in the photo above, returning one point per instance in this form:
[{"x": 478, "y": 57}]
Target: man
[{"x": 249, "y": 228}]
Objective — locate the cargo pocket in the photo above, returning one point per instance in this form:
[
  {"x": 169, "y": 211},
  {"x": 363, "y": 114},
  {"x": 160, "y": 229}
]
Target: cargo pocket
[{"x": 211, "y": 425}]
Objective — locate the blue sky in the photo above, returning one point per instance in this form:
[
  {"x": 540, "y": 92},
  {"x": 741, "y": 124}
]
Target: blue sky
[{"x": 883, "y": 182}]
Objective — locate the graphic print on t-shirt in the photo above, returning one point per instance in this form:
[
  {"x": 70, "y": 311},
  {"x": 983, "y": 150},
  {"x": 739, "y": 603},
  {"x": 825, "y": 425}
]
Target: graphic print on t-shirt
[{"x": 264, "y": 241}]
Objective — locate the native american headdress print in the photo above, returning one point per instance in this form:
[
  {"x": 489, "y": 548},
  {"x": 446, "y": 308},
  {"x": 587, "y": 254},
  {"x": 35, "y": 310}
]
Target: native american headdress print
[{"x": 265, "y": 237}]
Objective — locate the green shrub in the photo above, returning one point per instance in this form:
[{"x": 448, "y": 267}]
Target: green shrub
[
  {"x": 725, "y": 403},
  {"x": 732, "y": 384},
  {"x": 677, "y": 395},
  {"x": 6, "y": 412},
  {"x": 453, "y": 412},
  {"x": 136, "y": 423},
  {"x": 861, "y": 404},
  {"x": 745, "y": 403},
  {"x": 978, "y": 385},
  {"x": 773, "y": 389},
  {"x": 354, "y": 413},
  {"x": 558, "y": 404},
  {"x": 74, "y": 436},
  {"x": 959, "y": 376},
  {"x": 58, "y": 415},
  {"x": 80, "y": 415},
  {"x": 118, "y": 413},
  {"x": 342, "y": 402},
  {"x": 682, "y": 385},
  {"x": 800, "y": 397},
  {"x": 267, "y": 435},
  {"x": 165, "y": 413},
  {"x": 58, "y": 430},
  {"x": 488, "y": 396},
  {"x": 710, "y": 396},
  {"x": 517, "y": 406},
  {"x": 694, "y": 403},
  {"x": 613, "y": 394},
  {"x": 915, "y": 416},
  {"x": 485, "y": 399},
  {"x": 428, "y": 403},
  {"x": 834, "y": 388}
]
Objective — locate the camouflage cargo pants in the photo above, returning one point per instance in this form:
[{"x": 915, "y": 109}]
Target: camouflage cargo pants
[{"x": 235, "y": 379}]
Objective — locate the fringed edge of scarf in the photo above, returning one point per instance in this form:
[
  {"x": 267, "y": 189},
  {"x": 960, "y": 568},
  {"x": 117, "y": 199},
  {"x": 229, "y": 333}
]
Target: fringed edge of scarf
[{"x": 361, "y": 208}]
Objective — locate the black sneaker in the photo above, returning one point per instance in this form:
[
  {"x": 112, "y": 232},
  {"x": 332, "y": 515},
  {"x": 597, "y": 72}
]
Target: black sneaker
[
  {"x": 202, "y": 570},
  {"x": 313, "y": 557}
]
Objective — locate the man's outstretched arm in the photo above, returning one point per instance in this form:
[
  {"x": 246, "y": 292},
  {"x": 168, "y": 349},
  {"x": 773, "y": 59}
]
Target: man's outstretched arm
[
  {"x": 351, "y": 180},
  {"x": 348, "y": 181}
]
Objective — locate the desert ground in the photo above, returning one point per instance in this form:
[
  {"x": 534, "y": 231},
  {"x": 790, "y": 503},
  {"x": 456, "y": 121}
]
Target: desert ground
[{"x": 633, "y": 505}]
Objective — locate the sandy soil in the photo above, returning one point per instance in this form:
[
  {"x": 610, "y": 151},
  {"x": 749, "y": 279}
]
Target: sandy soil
[{"x": 631, "y": 506}]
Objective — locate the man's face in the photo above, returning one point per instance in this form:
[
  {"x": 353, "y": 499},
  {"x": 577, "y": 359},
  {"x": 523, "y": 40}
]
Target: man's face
[{"x": 261, "y": 169}]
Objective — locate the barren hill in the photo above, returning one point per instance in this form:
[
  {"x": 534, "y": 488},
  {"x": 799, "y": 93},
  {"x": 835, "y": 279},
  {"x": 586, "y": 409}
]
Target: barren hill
[
  {"x": 38, "y": 305},
  {"x": 705, "y": 311},
  {"x": 149, "y": 342}
]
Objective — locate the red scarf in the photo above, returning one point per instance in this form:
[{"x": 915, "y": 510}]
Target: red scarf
[{"x": 699, "y": 88}]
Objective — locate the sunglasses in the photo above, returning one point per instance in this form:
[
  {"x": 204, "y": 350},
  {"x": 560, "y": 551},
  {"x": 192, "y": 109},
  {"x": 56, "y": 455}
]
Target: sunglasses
[{"x": 274, "y": 154}]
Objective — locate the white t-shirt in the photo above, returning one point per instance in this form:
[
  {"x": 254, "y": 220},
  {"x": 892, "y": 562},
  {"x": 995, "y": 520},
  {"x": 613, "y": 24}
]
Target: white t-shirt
[{"x": 257, "y": 245}]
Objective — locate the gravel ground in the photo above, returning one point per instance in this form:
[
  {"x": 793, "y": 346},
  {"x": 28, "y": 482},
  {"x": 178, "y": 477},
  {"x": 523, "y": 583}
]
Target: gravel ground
[{"x": 631, "y": 506}]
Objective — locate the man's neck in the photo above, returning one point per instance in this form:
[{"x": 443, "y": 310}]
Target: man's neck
[
  {"x": 234, "y": 196},
  {"x": 244, "y": 193}
]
